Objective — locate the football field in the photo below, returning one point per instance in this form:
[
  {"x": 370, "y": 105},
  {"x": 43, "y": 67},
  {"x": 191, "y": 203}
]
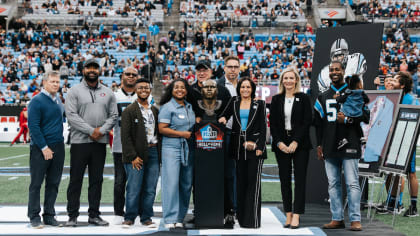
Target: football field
[{"x": 14, "y": 182}]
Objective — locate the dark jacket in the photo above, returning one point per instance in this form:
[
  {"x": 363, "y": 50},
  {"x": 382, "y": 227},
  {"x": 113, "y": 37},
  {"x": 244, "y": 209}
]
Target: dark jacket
[
  {"x": 255, "y": 131},
  {"x": 301, "y": 120},
  {"x": 327, "y": 127},
  {"x": 133, "y": 133}
]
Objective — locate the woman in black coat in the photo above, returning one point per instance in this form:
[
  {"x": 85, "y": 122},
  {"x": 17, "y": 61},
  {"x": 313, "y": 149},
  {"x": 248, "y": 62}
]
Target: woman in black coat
[
  {"x": 248, "y": 149},
  {"x": 290, "y": 118}
]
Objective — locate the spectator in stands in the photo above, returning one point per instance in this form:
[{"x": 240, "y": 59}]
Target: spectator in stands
[
  {"x": 45, "y": 121},
  {"x": 89, "y": 135}
]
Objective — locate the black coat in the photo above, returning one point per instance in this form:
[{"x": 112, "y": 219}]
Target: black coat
[
  {"x": 301, "y": 120},
  {"x": 256, "y": 129},
  {"x": 133, "y": 133}
]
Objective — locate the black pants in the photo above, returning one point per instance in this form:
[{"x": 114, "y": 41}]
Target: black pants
[
  {"x": 120, "y": 179},
  {"x": 82, "y": 155},
  {"x": 229, "y": 178},
  {"x": 248, "y": 188},
  {"x": 51, "y": 170},
  {"x": 300, "y": 164}
]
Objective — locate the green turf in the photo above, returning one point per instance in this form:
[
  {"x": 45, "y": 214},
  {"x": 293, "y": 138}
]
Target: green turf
[
  {"x": 15, "y": 190},
  {"x": 23, "y": 160}
]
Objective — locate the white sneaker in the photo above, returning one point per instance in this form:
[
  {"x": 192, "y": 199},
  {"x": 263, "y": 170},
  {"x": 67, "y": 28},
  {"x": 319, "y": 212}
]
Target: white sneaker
[
  {"x": 169, "y": 226},
  {"x": 179, "y": 225},
  {"x": 118, "y": 220}
]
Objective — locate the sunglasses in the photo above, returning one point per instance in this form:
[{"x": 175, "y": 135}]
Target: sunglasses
[{"x": 130, "y": 74}]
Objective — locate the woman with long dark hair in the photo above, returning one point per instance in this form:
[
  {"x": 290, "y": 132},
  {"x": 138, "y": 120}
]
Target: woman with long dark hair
[
  {"x": 290, "y": 118},
  {"x": 176, "y": 120},
  {"x": 248, "y": 149}
]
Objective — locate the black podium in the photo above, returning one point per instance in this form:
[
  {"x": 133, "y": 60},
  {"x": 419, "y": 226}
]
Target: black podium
[{"x": 209, "y": 175}]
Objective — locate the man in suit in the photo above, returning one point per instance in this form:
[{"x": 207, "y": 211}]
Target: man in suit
[
  {"x": 139, "y": 137},
  {"x": 229, "y": 81}
]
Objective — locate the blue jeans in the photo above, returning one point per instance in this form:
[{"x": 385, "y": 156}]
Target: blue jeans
[
  {"x": 176, "y": 184},
  {"x": 333, "y": 167},
  {"x": 132, "y": 192},
  {"x": 150, "y": 179}
]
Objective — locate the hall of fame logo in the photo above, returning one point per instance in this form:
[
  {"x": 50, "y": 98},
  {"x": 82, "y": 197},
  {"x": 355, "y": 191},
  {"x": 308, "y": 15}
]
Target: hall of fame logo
[{"x": 209, "y": 137}]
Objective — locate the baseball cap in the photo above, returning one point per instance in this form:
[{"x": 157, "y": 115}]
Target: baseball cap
[
  {"x": 91, "y": 61},
  {"x": 203, "y": 64}
]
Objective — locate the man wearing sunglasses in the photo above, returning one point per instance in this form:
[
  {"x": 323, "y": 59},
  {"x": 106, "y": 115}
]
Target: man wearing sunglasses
[{"x": 125, "y": 95}]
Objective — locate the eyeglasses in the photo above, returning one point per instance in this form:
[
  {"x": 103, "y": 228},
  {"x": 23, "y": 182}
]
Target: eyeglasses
[
  {"x": 232, "y": 67},
  {"x": 209, "y": 87},
  {"x": 130, "y": 74}
]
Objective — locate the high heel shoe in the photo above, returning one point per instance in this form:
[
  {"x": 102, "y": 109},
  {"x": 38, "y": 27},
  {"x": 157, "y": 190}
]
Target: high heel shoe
[
  {"x": 286, "y": 226},
  {"x": 295, "y": 226}
]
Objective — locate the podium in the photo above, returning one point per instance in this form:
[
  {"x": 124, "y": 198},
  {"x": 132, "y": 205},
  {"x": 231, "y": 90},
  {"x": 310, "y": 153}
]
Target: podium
[{"x": 209, "y": 175}]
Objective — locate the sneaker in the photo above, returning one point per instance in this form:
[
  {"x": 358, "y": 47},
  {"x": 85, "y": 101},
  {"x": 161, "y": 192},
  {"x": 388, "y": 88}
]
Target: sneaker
[
  {"x": 127, "y": 223},
  {"x": 36, "y": 224},
  {"x": 149, "y": 224},
  {"x": 170, "y": 226},
  {"x": 400, "y": 209},
  {"x": 411, "y": 212},
  {"x": 229, "y": 221},
  {"x": 118, "y": 220},
  {"x": 179, "y": 225},
  {"x": 342, "y": 143},
  {"x": 384, "y": 210}
]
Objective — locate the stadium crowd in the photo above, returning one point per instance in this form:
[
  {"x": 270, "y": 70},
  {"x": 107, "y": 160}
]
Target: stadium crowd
[
  {"x": 36, "y": 48},
  {"x": 395, "y": 11}
]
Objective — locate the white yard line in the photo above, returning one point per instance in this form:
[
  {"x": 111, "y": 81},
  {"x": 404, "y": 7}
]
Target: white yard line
[{"x": 13, "y": 157}]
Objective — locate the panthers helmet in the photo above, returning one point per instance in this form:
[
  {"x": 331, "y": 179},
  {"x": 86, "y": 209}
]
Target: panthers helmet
[{"x": 339, "y": 48}]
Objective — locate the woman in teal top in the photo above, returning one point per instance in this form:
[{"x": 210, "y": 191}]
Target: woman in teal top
[
  {"x": 248, "y": 149},
  {"x": 244, "y": 114}
]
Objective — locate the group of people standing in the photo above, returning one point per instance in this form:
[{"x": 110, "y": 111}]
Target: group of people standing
[{"x": 148, "y": 140}]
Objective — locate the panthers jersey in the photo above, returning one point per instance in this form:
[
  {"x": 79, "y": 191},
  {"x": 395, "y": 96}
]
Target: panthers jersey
[
  {"x": 355, "y": 65},
  {"x": 326, "y": 109}
]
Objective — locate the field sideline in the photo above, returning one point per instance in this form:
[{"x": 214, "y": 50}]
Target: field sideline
[{"x": 14, "y": 179}]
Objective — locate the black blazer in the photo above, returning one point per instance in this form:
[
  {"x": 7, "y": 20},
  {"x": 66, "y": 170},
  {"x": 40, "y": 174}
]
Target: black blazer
[
  {"x": 256, "y": 129},
  {"x": 133, "y": 133},
  {"x": 301, "y": 120}
]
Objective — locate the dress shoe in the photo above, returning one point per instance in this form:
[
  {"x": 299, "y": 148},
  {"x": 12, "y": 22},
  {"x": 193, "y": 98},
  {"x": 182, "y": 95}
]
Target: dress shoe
[
  {"x": 36, "y": 224},
  {"x": 72, "y": 222},
  {"x": 98, "y": 221},
  {"x": 334, "y": 224},
  {"x": 356, "y": 226},
  {"x": 51, "y": 221}
]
